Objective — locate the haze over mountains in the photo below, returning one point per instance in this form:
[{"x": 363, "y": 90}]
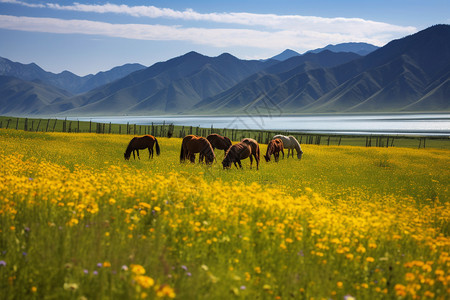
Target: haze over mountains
[{"x": 406, "y": 75}]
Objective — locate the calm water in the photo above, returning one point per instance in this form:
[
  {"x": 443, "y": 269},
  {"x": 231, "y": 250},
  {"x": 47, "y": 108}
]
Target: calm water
[{"x": 404, "y": 124}]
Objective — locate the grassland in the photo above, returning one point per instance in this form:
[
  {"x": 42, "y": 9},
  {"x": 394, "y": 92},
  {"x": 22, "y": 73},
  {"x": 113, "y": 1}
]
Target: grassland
[{"x": 79, "y": 222}]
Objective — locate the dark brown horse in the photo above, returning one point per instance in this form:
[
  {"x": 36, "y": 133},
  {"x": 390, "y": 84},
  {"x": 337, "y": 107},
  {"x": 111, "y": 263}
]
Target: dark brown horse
[
  {"x": 275, "y": 147},
  {"x": 196, "y": 144},
  {"x": 219, "y": 142},
  {"x": 139, "y": 143},
  {"x": 246, "y": 148}
]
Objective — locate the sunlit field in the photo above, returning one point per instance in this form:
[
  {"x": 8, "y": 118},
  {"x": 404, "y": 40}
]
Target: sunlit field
[{"x": 80, "y": 222}]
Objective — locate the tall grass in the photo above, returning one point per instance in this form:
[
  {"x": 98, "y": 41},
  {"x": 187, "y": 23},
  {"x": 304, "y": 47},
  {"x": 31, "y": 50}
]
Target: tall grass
[{"x": 77, "y": 221}]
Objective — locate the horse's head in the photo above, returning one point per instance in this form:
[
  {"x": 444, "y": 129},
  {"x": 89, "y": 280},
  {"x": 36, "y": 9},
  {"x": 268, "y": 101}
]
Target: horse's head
[
  {"x": 226, "y": 163},
  {"x": 209, "y": 158},
  {"x": 299, "y": 155},
  {"x": 127, "y": 155},
  {"x": 267, "y": 157}
]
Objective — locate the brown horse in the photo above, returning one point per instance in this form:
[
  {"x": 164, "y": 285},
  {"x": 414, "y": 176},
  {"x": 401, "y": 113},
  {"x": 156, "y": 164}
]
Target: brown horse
[
  {"x": 275, "y": 147},
  {"x": 196, "y": 144},
  {"x": 246, "y": 148},
  {"x": 219, "y": 142},
  {"x": 139, "y": 143}
]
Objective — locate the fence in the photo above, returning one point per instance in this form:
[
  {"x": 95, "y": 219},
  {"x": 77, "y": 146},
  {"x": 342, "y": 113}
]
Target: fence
[{"x": 169, "y": 130}]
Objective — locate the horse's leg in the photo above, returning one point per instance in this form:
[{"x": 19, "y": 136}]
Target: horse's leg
[
  {"x": 235, "y": 164},
  {"x": 257, "y": 161},
  {"x": 251, "y": 161},
  {"x": 134, "y": 156},
  {"x": 276, "y": 155},
  {"x": 282, "y": 151},
  {"x": 239, "y": 162}
]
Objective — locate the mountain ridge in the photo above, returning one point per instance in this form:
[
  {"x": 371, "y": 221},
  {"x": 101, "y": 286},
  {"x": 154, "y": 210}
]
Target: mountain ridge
[{"x": 407, "y": 74}]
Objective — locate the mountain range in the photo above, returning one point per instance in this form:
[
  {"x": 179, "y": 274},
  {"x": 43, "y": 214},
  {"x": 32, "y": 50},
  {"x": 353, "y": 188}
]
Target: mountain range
[
  {"x": 358, "y": 48},
  {"x": 407, "y": 75}
]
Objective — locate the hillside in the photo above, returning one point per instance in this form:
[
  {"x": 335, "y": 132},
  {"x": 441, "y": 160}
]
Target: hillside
[
  {"x": 168, "y": 87},
  {"x": 19, "y": 97},
  {"x": 409, "y": 74},
  {"x": 65, "y": 80}
]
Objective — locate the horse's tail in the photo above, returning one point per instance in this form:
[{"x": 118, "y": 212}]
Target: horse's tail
[
  {"x": 182, "y": 158},
  {"x": 257, "y": 151},
  {"x": 158, "y": 151}
]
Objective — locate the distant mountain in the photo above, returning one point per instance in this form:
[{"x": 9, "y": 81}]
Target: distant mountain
[
  {"x": 358, "y": 48},
  {"x": 19, "y": 97},
  {"x": 286, "y": 54},
  {"x": 168, "y": 87},
  {"x": 271, "y": 79},
  {"x": 408, "y": 74},
  {"x": 65, "y": 80}
]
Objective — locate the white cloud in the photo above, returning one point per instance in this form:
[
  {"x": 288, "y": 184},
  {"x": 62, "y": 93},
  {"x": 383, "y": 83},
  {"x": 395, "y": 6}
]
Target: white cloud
[
  {"x": 271, "y": 21},
  {"x": 276, "y": 22},
  {"x": 212, "y": 37},
  {"x": 304, "y": 38},
  {"x": 23, "y": 3},
  {"x": 267, "y": 31}
]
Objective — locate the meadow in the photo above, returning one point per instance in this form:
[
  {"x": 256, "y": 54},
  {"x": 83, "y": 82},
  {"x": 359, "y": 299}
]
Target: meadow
[{"x": 345, "y": 222}]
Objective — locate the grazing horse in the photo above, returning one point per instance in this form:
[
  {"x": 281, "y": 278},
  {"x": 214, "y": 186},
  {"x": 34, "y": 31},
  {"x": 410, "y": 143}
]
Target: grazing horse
[
  {"x": 196, "y": 144},
  {"x": 236, "y": 153},
  {"x": 246, "y": 148},
  {"x": 139, "y": 143},
  {"x": 219, "y": 142},
  {"x": 290, "y": 143},
  {"x": 275, "y": 147}
]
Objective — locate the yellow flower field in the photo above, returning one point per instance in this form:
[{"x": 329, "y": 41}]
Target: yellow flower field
[{"x": 78, "y": 222}]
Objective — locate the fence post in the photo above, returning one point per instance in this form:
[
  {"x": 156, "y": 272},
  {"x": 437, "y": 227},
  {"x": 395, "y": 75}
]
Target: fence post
[
  {"x": 54, "y": 125},
  {"x": 37, "y": 127},
  {"x": 25, "y": 125}
]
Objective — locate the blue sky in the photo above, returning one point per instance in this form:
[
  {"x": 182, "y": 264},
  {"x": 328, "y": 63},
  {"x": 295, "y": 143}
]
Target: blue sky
[{"x": 86, "y": 37}]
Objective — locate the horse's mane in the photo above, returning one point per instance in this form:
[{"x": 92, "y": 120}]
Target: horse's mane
[
  {"x": 208, "y": 148},
  {"x": 228, "y": 141},
  {"x": 270, "y": 148},
  {"x": 296, "y": 144},
  {"x": 129, "y": 147}
]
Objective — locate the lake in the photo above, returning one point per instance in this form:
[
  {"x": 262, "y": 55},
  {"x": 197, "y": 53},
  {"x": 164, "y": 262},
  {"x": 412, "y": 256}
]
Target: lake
[{"x": 437, "y": 124}]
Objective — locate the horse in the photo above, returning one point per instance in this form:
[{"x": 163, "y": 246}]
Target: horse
[
  {"x": 245, "y": 148},
  {"x": 139, "y": 143},
  {"x": 219, "y": 142},
  {"x": 275, "y": 147},
  {"x": 290, "y": 143},
  {"x": 192, "y": 144},
  {"x": 237, "y": 152}
]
